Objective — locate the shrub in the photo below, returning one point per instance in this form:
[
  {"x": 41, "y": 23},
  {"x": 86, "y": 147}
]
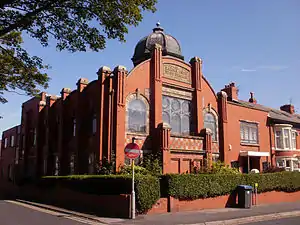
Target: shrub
[
  {"x": 146, "y": 186},
  {"x": 147, "y": 192},
  {"x": 195, "y": 186},
  {"x": 152, "y": 163},
  {"x": 137, "y": 170},
  {"x": 216, "y": 168}
]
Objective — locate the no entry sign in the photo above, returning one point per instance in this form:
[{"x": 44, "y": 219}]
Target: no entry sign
[{"x": 132, "y": 151}]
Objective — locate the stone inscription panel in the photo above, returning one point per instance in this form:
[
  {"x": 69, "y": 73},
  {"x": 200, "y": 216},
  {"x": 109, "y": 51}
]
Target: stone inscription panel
[{"x": 178, "y": 73}]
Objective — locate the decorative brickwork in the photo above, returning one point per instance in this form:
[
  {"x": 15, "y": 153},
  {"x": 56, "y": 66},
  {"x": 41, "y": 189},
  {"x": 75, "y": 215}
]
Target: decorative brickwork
[{"x": 183, "y": 143}]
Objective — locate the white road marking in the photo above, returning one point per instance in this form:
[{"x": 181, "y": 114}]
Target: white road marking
[
  {"x": 251, "y": 219},
  {"x": 63, "y": 215}
]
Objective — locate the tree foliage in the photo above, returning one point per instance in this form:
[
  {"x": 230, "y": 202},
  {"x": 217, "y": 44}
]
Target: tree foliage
[{"x": 76, "y": 25}]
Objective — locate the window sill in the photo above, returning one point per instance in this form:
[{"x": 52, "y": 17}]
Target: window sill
[
  {"x": 186, "y": 136},
  {"x": 285, "y": 149},
  {"x": 137, "y": 134},
  {"x": 250, "y": 144}
]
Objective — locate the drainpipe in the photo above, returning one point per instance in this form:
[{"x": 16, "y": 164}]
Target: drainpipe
[{"x": 248, "y": 164}]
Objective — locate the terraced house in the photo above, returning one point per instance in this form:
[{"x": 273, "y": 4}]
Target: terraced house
[{"x": 168, "y": 105}]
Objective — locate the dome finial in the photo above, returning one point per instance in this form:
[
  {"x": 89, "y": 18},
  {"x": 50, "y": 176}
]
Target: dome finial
[{"x": 158, "y": 27}]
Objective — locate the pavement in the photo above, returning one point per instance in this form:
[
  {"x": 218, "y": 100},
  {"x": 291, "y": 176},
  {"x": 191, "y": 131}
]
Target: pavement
[
  {"x": 285, "y": 221},
  {"x": 19, "y": 212}
]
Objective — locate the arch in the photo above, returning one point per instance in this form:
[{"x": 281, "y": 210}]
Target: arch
[
  {"x": 137, "y": 113},
  {"x": 210, "y": 120}
]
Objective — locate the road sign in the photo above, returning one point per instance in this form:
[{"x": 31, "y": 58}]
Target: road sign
[{"x": 132, "y": 151}]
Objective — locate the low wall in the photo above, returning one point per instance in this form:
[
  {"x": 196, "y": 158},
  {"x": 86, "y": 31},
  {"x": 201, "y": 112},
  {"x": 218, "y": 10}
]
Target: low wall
[{"x": 171, "y": 204}]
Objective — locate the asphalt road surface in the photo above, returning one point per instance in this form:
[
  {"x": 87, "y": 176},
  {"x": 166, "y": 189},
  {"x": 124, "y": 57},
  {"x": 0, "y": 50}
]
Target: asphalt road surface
[
  {"x": 285, "y": 221},
  {"x": 13, "y": 214}
]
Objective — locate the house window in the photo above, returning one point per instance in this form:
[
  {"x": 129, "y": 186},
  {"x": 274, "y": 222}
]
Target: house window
[
  {"x": 17, "y": 155},
  {"x": 56, "y": 171},
  {"x": 12, "y": 141},
  {"x": 285, "y": 137},
  {"x": 136, "y": 113},
  {"x": 210, "y": 122},
  {"x": 45, "y": 166},
  {"x": 249, "y": 133},
  {"x": 74, "y": 127},
  {"x": 5, "y": 142},
  {"x": 34, "y": 136},
  {"x": 280, "y": 163},
  {"x": 94, "y": 123},
  {"x": 72, "y": 164},
  {"x": 91, "y": 163},
  {"x": 279, "y": 139},
  {"x": 294, "y": 141},
  {"x": 177, "y": 113}
]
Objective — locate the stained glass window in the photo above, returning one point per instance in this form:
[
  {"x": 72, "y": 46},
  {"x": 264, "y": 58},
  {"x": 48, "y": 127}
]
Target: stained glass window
[{"x": 177, "y": 113}]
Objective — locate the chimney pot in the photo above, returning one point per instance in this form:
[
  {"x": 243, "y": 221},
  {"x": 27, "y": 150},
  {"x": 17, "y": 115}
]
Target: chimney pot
[
  {"x": 289, "y": 108},
  {"x": 252, "y": 99}
]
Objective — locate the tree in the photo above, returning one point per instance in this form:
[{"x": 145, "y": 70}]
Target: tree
[{"x": 76, "y": 25}]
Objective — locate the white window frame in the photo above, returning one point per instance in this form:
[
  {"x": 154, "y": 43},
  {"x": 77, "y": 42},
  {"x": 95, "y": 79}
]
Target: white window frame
[
  {"x": 12, "y": 141},
  {"x": 291, "y": 160},
  {"x": 283, "y": 128},
  {"x": 5, "y": 142},
  {"x": 249, "y": 126}
]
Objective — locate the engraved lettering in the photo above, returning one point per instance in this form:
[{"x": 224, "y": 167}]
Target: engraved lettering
[{"x": 178, "y": 73}]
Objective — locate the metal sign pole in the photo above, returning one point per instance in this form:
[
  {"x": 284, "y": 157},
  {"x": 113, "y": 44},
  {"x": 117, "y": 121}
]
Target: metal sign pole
[{"x": 133, "y": 192}]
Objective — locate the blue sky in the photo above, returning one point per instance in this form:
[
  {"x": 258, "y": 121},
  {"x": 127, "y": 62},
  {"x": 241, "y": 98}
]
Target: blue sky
[{"x": 253, "y": 43}]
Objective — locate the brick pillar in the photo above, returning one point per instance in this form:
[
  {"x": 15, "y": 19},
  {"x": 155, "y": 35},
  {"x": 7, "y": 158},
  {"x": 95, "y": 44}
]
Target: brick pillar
[
  {"x": 223, "y": 131},
  {"x": 82, "y": 83},
  {"x": 156, "y": 94},
  {"x": 40, "y": 128},
  {"x": 80, "y": 139},
  {"x": 103, "y": 115},
  {"x": 119, "y": 113},
  {"x": 196, "y": 64},
  {"x": 164, "y": 140},
  {"x": 207, "y": 145},
  {"x": 63, "y": 155}
]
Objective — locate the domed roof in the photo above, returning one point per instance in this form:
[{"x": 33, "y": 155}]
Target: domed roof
[{"x": 170, "y": 45}]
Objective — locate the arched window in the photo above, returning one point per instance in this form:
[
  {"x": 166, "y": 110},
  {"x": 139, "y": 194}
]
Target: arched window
[
  {"x": 137, "y": 116},
  {"x": 176, "y": 112},
  {"x": 210, "y": 122}
]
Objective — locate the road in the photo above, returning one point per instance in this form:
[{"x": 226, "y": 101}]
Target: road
[
  {"x": 14, "y": 214},
  {"x": 285, "y": 221}
]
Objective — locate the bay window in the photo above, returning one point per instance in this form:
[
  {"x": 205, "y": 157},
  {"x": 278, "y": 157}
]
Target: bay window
[{"x": 285, "y": 137}]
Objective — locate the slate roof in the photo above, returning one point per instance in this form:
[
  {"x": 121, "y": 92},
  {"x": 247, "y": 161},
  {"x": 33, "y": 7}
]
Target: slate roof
[{"x": 274, "y": 114}]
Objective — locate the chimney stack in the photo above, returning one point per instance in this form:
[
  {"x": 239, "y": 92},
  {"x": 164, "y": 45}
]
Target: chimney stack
[
  {"x": 289, "y": 108},
  {"x": 231, "y": 91},
  {"x": 252, "y": 99}
]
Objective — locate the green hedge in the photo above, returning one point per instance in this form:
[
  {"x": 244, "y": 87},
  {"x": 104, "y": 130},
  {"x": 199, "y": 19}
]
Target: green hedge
[
  {"x": 195, "y": 186},
  {"x": 147, "y": 187}
]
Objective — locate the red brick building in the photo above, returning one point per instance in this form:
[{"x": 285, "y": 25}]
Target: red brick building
[
  {"x": 169, "y": 105},
  {"x": 8, "y": 149}
]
